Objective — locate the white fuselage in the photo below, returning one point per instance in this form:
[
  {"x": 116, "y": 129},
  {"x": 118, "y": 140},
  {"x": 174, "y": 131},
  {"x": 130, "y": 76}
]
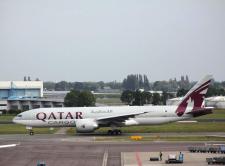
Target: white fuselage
[{"x": 66, "y": 117}]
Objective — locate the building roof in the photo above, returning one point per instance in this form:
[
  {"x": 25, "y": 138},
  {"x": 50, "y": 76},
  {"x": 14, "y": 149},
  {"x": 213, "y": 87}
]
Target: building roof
[{"x": 21, "y": 84}]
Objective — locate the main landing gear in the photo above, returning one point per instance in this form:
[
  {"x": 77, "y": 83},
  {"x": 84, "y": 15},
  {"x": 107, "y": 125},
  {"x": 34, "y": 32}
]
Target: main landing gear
[{"x": 114, "y": 132}]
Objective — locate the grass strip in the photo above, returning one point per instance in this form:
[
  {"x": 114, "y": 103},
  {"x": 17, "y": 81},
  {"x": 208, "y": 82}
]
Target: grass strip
[
  {"x": 171, "y": 127},
  {"x": 174, "y": 127},
  {"x": 21, "y": 129},
  {"x": 217, "y": 114}
]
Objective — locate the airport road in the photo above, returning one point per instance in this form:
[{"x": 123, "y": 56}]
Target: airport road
[{"x": 57, "y": 150}]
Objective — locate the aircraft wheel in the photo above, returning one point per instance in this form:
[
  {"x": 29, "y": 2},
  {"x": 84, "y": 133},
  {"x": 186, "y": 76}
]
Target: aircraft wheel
[
  {"x": 31, "y": 133},
  {"x": 109, "y": 132},
  {"x": 115, "y": 132},
  {"x": 119, "y": 132}
]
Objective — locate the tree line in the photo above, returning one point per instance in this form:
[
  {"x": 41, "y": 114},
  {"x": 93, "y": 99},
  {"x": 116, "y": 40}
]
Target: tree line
[
  {"x": 144, "y": 97},
  {"x": 81, "y": 86},
  {"x": 85, "y": 98},
  {"x": 134, "y": 82}
]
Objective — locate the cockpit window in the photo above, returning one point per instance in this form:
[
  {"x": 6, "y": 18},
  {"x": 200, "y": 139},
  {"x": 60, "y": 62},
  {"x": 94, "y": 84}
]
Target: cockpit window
[{"x": 19, "y": 116}]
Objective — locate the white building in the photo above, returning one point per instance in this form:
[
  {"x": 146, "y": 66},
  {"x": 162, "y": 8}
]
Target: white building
[
  {"x": 25, "y": 95},
  {"x": 159, "y": 92},
  {"x": 21, "y": 89},
  {"x": 174, "y": 101},
  {"x": 216, "y": 102}
]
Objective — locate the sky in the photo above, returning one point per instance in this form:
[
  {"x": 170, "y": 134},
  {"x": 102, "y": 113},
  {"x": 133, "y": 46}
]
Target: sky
[{"x": 86, "y": 40}]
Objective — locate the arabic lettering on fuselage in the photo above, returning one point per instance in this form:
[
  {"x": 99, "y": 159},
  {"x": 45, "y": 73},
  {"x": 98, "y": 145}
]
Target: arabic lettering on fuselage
[
  {"x": 59, "y": 115},
  {"x": 101, "y": 111}
]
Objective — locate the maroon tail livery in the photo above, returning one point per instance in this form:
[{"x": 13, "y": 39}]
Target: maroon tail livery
[{"x": 195, "y": 96}]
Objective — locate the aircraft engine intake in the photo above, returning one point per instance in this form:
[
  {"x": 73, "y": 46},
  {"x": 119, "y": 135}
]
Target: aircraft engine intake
[{"x": 86, "y": 125}]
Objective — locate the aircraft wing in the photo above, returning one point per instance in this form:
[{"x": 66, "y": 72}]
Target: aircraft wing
[{"x": 119, "y": 118}]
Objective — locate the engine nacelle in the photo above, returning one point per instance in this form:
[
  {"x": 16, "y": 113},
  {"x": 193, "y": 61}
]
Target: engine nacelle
[{"x": 86, "y": 125}]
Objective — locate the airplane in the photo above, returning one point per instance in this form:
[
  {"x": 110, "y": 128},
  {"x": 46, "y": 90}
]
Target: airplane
[{"x": 88, "y": 119}]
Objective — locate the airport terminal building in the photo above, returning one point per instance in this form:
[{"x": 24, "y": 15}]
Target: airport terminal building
[{"x": 25, "y": 95}]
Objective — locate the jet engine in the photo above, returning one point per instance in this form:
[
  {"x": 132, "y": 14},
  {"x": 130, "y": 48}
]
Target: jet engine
[{"x": 86, "y": 125}]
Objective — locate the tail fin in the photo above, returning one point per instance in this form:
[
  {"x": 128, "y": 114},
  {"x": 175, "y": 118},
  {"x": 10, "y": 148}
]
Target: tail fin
[{"x": 195, "y": 96}]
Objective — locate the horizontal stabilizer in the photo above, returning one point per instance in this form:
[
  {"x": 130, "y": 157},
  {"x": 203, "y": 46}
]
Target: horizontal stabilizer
[{"x": 201, "y": 111}]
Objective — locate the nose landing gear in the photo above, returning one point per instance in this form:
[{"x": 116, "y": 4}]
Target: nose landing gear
[{"x": 31, "y": 132}]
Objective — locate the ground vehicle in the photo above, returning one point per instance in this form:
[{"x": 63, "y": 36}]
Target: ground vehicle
[
  {"x": 172, "y": 159},
  {"x": 216, "y": 160},
  {"x": 207, "y": 149}
]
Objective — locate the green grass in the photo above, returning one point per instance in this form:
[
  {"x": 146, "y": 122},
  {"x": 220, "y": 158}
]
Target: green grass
[
  {"x": 171, "y": 127},
  {"x": 6, "y": 117},
  {"x": 21, "y": 129},
  {"x": 71, "y": 131},
  {"x": 217, "y": 114},
  {"x": 157, "y": 138},
  {"x": 174, "y": 127}
]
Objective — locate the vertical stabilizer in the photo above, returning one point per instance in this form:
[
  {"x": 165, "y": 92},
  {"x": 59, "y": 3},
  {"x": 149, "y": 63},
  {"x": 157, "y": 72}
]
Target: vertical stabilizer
[{"x": 195, "y": 96}]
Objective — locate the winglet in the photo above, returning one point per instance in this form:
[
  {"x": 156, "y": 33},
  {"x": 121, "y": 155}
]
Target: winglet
[{"x": 196, "y": 94}]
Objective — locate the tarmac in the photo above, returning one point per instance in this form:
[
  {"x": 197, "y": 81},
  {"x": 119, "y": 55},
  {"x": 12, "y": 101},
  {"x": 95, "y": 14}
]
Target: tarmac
[
  {"x": 142, "y": 158},
  {"x": 59, "y": 149}
]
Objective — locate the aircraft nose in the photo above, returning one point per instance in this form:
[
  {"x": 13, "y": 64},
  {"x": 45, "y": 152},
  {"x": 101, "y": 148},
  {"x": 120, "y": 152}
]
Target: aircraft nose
[{"x": 14, "y": 120}]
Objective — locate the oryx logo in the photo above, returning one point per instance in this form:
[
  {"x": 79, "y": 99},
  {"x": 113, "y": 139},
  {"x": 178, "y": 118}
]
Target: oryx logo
[
  {"x": 183, "y": 106},
  {"x": 194, "y": 98}
]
